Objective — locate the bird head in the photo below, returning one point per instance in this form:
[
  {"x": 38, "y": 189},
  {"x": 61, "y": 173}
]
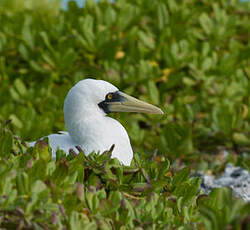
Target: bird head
[{"x": 102, "y": 97}]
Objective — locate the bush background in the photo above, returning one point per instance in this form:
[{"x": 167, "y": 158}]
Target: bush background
[{"x": 189, "y": 57}]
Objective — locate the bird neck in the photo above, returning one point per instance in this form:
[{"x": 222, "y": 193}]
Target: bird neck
[{"x": 84, "y": 124}]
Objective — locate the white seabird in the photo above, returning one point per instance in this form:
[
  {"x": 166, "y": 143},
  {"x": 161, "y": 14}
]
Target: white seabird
[{"x": 85, "y": 114}]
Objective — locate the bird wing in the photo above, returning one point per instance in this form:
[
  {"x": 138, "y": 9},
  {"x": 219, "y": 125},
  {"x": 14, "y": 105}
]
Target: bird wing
[{"x": 62, "y": 140}]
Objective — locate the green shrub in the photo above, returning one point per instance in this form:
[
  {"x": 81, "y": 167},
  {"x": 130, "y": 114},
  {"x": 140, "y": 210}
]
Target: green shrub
[
  {"x": 189, "y": 57},
  {"x": 96, "y": 192}
]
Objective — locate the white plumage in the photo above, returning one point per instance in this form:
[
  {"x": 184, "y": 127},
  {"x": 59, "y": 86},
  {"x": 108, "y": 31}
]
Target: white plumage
[{"x": 85, "y": 114}]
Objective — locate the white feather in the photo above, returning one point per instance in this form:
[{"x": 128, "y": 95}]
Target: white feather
[{"x": 88, "y": 125}]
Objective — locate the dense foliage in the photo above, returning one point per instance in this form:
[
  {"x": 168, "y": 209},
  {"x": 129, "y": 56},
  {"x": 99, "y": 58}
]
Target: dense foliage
[
  {"x": 189, "y": 57},
  {"x": 96, "y": 192}
]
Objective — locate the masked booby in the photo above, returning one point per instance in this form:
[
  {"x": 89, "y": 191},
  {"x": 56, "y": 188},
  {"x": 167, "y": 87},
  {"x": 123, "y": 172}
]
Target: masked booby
[{"x": 85, "y": 114}]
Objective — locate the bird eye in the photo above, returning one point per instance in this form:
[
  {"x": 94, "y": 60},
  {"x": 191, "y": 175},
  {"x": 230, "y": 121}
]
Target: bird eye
[{"x": 109, "y": 96}]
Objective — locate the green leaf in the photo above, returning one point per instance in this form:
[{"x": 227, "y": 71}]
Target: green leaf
[
  {"x": 178, "y": 138},
  {"x": 224, "y": 118},
  {"x": 153, "y": 92},
  {"x": 6, "y": 140},
  {"x": 16, "y": 121},
  {"x": 41, "y": 148},
  {"x": 241, "y": 139},
  {"x": 164, "y": 169},
  {"x": 206, "y": 23},
  {"x": 45, "y": 38},
  {"x": 22, "y": 183},
  {"x": 146, "y": 40},
  {"x": 216, "y": 208},
  {"x": 162, "y": 14},
  {"x": 140, "y": 187},
  {"x": 110, "y": 16},
  {"x": 181, "y": 177},
  {"x": 38, "y": 186},
  {"x": 27, "y": 34},
  {"x": 207, "y": 64},
  {"x": 11, "y": 197},
  {"x": 23, "y": 51},
  {"x": 61, "y": 172},
  {"x": 20, "y": 87},
  {"x": 80, "y": 221}
]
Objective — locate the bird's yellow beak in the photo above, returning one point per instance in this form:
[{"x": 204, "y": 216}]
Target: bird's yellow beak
[{"x": 126, "y": 103}]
